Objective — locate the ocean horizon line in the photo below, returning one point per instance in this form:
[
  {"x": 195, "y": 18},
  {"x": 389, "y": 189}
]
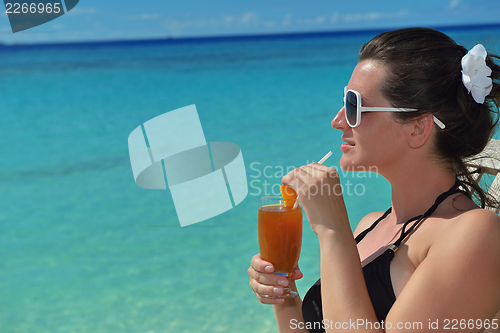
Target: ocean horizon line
[{"x": 237, "y": 37}]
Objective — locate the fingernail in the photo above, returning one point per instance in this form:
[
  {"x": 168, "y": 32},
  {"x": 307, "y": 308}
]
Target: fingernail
[
  {"x": 269, "y": 269},
  {"x": 283, "y": 282},
  {"x": 278, "y": 290}
]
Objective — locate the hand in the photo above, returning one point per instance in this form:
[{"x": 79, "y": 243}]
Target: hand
[
  {"x": 320, "y": 193},
  {"x": 264, "y": 282}
]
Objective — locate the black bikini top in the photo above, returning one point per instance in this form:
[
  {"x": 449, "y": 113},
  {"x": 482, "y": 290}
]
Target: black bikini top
[{"x": 377, "y": 272}]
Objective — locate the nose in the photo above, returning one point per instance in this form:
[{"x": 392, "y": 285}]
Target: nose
[{"x": 339, "y": 122}]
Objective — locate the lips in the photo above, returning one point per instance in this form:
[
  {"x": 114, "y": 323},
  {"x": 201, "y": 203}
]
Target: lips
[
  {"x": 348, "y": 141},
  {"x": 348, "y": 144}
]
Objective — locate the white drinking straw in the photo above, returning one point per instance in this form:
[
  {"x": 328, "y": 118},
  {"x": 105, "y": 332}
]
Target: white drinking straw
[{"x": 321, "y": 161}]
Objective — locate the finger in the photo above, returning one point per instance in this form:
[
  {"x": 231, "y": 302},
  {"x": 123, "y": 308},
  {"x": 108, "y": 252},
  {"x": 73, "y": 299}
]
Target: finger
[
  {"x": 316, "y": 167},
  {"x": 269, "y": 300},
  {"x": 268, "y": 279},
  {"x": 297, "y": 275},
  {"x": 294, "y": 175},
  {"x": 260, "y": 265},
  {"x": 261, "y": 291},
  {"x": 297, "y": 177},
  {"x": 319, "y": 166},
  {"x": 316, "y": 170},
  {"x": 318, "y": 176},
  {"x": 261, "y": 271}
]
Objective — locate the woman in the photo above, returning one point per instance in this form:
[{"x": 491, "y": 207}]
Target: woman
[{"x": 432, "y": 261}]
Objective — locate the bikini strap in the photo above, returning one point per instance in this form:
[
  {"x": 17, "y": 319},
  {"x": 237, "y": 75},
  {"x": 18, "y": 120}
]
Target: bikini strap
[
  {"x": 363, "y": 234},
  {"x": 404, "y": 233}
]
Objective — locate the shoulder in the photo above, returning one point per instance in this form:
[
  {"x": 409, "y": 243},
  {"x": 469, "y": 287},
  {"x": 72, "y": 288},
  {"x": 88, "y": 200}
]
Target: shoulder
[
  {"x": 366, "y": 222},
  {"x": 458, "y": 278},
  {"x": 476, "y": 231},
  {"x": 477, "y": 222}
]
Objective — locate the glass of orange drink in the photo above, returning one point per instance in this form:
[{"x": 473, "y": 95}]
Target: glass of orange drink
[{"x": 280, "y": 234}]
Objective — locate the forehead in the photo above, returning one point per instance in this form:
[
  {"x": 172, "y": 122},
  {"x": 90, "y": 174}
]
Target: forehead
[
  {"x": 367, "y": 78},
  {"x": 368, "y": 69}
]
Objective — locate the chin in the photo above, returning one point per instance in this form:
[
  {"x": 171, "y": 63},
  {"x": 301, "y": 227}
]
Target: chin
[
  {"x": 350, "y": 165},
  {"x": 347, "y": 164}
]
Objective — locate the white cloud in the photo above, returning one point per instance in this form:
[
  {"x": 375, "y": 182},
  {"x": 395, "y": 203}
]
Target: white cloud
[
  {"x": 178, "y": 26},
  {"x": 82, "y": 10},
  {"x": 320, "y": 19},
  {"x": 288, "y": 20},
  {"x": 335, "y": 18},
  {"x": 454, "y": 3},
  {"x": 58, "y": 26},
  {"x": 143, "y": 17},
  {"x": 249, "y": 17},
  {"x": 311, "y": 21},
  {"x": 252, "y": 21},
  {"x": 372, "y": 16},
  {"x": 270, "y": 24}
]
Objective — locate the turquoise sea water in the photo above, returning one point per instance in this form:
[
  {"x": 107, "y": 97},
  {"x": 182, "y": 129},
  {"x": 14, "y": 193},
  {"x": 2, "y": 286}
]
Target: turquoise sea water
[{"x": 83, "y": 249}]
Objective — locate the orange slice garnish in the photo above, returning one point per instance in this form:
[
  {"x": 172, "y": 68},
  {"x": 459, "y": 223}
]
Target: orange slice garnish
[{"x": 289, "y": 195}]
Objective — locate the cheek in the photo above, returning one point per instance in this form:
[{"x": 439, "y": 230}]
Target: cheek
[
  {"x": 381, "y": 128},
  {"x": 389, "y": 146},
  {"x": 379, "y": 143}
]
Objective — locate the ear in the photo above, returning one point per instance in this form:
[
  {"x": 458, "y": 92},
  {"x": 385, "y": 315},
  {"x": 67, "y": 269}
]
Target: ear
[{"x": 421, "y": 129}]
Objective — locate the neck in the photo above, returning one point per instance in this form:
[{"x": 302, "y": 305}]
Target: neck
[{"x": 415, "y": 189}]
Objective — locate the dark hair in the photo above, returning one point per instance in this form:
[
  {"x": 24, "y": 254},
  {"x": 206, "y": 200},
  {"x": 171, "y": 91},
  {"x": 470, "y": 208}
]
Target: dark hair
[{"x": 424, "y": 73}]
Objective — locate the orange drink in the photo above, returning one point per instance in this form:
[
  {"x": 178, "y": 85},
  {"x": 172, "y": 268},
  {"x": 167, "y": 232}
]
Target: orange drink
[{"x": 280, "y": 235}]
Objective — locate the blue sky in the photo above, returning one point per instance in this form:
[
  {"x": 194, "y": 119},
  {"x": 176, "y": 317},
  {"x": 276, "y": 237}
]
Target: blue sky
[{"x": 94, "y": 20}]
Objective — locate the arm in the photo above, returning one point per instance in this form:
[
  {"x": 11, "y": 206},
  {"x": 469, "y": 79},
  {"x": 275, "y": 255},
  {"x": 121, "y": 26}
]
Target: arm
[
  {"x": 457, "y": 279},
  {"x": 343, "y": 289},
  {"x": 456, "y": 283},
  {"x": 289, "y": 316}
]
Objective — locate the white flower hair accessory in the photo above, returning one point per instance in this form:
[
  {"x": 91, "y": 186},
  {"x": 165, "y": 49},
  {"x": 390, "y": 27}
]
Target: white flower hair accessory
[{"x": 475, "y": 73}]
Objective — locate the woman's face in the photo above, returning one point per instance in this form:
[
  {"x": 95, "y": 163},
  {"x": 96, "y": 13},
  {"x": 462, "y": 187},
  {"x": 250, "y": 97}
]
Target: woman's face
[{"x": 379, "y": 140}]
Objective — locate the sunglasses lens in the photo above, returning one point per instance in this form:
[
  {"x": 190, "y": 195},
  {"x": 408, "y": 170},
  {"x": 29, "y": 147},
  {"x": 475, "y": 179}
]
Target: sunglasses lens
[{"x": 351, "y": 106}]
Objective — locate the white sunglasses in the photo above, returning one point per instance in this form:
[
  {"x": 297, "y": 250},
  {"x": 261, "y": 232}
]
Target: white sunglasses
[{"x": 353, "y": 109}]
